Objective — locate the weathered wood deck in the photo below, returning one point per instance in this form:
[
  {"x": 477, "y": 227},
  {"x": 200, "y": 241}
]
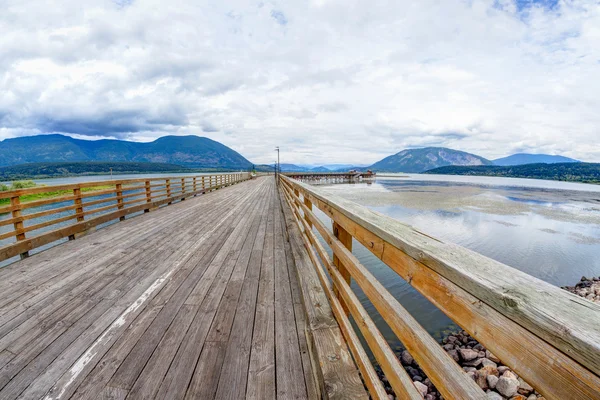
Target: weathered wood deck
[{"x": 197, "y": 300}]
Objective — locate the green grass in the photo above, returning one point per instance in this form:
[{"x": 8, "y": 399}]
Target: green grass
[{"x": 46, "y": 195}]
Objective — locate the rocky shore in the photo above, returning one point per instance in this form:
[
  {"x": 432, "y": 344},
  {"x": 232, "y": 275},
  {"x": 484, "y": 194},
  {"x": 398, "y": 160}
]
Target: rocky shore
[
  {"x": 588, "y": 288},
  {"x": 495, "y": 378}
]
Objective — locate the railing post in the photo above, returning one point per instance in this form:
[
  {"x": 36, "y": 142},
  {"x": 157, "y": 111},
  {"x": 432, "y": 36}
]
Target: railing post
[
  {"x": 78, "y": 207},
  {"x": 15, "y": 204},
  {"x": 203, "y": 185},
  {"x": 120, "y": 200},
  {"x": 194, "y": 186},
  {"x": 308, "y": 204},
  {"x": 168, "y": 184},
  {"x": 148, "y": 196},
  {"x": 182, "y": 189},
  {"x": 346, "y": 239}
]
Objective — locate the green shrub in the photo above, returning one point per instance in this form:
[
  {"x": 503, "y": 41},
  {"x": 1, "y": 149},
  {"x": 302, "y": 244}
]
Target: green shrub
[
  {"x": 23, "y": 184},
  {"x": 4, "y": 188}
]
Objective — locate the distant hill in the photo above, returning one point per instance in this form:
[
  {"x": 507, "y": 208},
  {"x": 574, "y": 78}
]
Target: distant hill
[
  {"x": 420, "y": 160},
  {"x": 572, "y": 172},
  {"x": 53, "y": 170},
  {"x": 320, "y": 169},
  {"x": 188, "y": 151},
  {"x": 524, "y": 158}
]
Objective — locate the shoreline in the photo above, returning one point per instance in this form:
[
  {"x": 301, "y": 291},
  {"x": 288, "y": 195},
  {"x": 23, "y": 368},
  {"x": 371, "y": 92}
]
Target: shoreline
[{"x": 499, "y": 381}]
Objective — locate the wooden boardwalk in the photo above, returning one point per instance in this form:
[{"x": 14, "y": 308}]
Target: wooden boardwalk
[{"x": 197, "y": 300}]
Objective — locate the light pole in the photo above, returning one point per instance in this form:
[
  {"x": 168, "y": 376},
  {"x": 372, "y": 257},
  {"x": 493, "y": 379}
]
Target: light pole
[{"x": 278, "y": 167}]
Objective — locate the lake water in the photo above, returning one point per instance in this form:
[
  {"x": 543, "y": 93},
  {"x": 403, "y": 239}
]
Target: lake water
[{"x": 548, "y": 229}]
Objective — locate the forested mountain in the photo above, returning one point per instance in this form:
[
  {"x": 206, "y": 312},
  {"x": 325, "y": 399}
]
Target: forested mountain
[{"x": 188, "y": 151}]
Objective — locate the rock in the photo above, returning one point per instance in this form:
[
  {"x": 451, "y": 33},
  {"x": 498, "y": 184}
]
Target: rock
[
  {"x": 469, "y": 369},
  {"x": 429, "y": 397},
  {"x": 468, "y": 354},
  {"x": 507, "y": 386},
  {"x": 407, "y": 359},
  {"x": 448, "y": 346},
  {"x": 481, "y": 354},
  {"x": 391, "y": 397},
  {"x": 479, "y": 347},
  {"x": 494, "y": 396},
  {"x": 518, "y": 397},
  {"x": 452, "y": 339},
  {"x": 524, "y": 387},
  {"x": 532, "y": 397},
  {"x": 491, "y": 381},
  {"x": 509, "y": 374},
  {"x": 490, "y": 370},
  {"x": 502, "y": 369},
  {"x": 411, "y": 371},
  {"x": 421, "y": 388},
  {"x": 481, "y": 379},
  {"x": 473, "y": 363},
  {"x": 417, "y": 378},
  {"x": 471, "y": 374},
  {"x": 485, "y": 362},
  {"x": 454, "y": 355}
]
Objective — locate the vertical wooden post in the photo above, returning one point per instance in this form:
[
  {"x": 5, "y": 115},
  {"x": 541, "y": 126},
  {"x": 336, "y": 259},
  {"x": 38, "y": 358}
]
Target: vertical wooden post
[
  {"x": 148, "y": 196},
  {"x": 203, "y": 185},
  {"x": 194, "y": 186},
  {"x": 308, "y": 204},
  {"x": 120, "y": 199},
  {"x": 346, "y": 239},
  {"x": 78, "y": 207},
  {"x": 168, "y": 184},
  {"x": 182, "y": 189},
  {"x": 15, "y": 204}
]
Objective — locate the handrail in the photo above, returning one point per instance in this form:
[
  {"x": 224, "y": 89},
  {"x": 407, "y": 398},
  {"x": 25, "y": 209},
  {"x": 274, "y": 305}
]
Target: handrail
[
  {"x": 88, "y": 209},
  {"x": 550, "y": 337}
]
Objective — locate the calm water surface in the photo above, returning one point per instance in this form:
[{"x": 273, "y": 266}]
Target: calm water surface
[{"x": 548, "y": 229}]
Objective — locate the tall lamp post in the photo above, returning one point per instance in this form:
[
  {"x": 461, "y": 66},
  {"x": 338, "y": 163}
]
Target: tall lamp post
[{"x": 278, "y": 168}]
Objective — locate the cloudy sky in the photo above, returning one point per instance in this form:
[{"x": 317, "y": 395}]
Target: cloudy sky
[{"x": 327, "y": 80}]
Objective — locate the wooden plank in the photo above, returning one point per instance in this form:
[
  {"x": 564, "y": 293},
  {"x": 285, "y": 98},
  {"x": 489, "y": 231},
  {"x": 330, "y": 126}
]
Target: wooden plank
[
  {"x": 261, "y": 372},
  {"x": 288, "y": 359}
]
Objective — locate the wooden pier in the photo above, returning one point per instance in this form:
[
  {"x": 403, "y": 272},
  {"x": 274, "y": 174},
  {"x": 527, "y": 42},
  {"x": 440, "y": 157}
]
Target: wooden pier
[
  {"x": 331, "y": 177},
  {"x": 225, "y": 295}
]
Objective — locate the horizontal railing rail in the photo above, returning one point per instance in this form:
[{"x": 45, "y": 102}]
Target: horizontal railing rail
[
  {"x": 70, "y": 210},
  {"x": 548, "y": 336}
]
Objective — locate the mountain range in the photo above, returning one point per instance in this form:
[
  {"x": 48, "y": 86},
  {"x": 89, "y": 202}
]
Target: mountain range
[
  {"x": 201, "y": 152},
  {"x": 187, "y": 151}
]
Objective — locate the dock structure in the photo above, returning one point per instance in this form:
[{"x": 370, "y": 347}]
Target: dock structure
[
  {"x": 331, "y": 177},
  {"x": 222, "y": 287}
]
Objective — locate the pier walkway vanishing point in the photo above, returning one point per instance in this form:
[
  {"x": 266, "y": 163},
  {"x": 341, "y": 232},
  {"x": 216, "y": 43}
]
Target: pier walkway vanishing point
[{"x": 196, "y": 300}]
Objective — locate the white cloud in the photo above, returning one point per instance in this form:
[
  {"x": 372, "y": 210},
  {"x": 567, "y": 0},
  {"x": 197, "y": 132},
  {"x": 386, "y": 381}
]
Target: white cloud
[{"x": 327, "y": 80}]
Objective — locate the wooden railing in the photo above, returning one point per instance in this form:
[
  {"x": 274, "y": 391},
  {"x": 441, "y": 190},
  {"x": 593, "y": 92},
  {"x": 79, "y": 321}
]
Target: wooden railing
[
  {"x": 74, "y": 209},
  {"x": 550, "y": 337}
]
